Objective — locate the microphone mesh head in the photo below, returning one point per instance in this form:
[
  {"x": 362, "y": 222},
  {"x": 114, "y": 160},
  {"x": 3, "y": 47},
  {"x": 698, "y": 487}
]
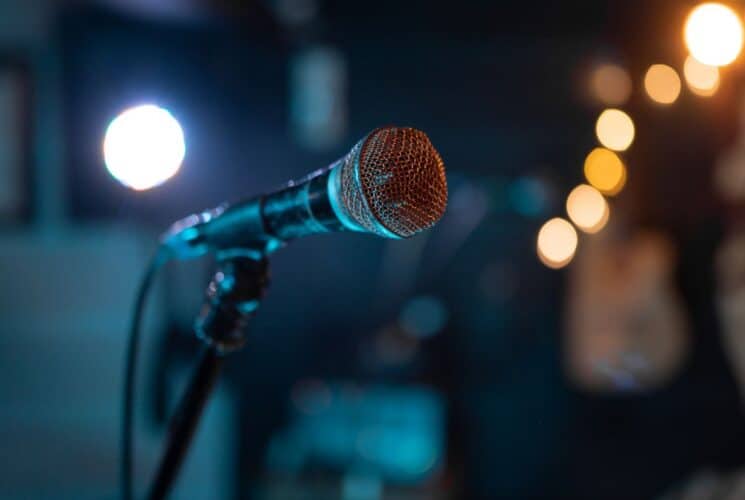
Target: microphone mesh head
[{"x": 394, "y": 178}]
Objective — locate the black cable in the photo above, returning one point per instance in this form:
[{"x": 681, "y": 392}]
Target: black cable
[{"x": 130, "y": 373}]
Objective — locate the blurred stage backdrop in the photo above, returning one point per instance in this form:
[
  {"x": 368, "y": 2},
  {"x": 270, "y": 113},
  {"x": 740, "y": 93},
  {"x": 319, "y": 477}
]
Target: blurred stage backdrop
[{"x": 572, "y": 329}]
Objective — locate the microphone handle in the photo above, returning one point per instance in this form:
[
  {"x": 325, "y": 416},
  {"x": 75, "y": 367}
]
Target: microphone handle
[
  {"x": 262, "y": 223},
  {"x": 302, "y": 209}
]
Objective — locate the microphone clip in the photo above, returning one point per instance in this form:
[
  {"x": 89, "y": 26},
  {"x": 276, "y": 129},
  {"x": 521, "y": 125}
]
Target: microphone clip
[{"x": 233, "y": 296}]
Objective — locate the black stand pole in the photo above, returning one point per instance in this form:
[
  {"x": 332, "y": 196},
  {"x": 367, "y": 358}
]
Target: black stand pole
[
  {"x": 184, "y": 422},
  {"x": 233, "y": 296}
]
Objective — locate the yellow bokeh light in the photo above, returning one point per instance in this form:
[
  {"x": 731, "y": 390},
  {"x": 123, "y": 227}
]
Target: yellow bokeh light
[
  {"x": 610, "y": 84},
  {"x": 557, "y": 243},
  {"x": 701, "y": 78},
  {"x": 662, "y": 84},
  {"x": 587, "y": 208},
  {"x": 714, "y": 34},
  {"x": 615, "y": 129},
  {"x": 605, "y": 171}
]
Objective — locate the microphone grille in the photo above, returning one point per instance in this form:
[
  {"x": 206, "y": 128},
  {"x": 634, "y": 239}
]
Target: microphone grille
[{"x": 398, "y": 182}]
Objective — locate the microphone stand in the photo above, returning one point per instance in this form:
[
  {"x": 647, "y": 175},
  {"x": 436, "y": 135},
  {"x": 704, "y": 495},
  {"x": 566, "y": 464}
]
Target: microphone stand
[{"x": 233, "y": 296}]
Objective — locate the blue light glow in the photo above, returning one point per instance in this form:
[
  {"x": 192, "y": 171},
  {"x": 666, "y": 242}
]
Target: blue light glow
[{"x": 423, "y": 316}]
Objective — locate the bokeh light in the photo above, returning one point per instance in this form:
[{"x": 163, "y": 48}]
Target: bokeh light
[
  {"x": 587, "y": 208},
  {"x": 144, "y": 147},
  {"x": 662, "y": 84},
  {"x": 529, "y": 196},
  {"x": 605, "y": 171},
  {"x": 557, "y": 243},
  {"x": 701, "y": 78},
  {"x": 423, "y": 317},
  {"x": 714, "y": 34},
  {"x": 615, "y": 129},
  {"x": 610, "y": 84}
]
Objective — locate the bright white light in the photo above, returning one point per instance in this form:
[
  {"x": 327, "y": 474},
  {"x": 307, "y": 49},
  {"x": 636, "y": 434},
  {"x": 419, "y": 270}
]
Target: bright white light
[
  {"x": 714, "y": 34},
  {"x": 144, "y": 147}
]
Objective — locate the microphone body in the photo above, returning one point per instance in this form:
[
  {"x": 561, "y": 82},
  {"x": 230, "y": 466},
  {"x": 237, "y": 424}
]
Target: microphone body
[{"x": 368, "y": 190}]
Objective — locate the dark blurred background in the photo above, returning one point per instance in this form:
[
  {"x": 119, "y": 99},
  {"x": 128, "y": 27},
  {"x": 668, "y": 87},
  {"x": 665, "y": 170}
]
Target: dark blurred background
[{"x": 457, "y": 364}]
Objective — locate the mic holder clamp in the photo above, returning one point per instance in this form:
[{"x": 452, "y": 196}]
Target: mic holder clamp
[{"x": 233, "y": 296}]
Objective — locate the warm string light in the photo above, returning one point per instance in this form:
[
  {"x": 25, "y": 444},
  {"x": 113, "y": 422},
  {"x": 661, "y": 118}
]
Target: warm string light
[
  {"x": 702, "y": 79},
  {"x": 587, "y": 208},
  {"x": 615, "y": 129},
  {"x": 610, "y": 84},
  {"x": 662, "y": 84},
  {"x": 713, "y": 34},
  {"x": 605, "y": 171},
  {"x": 557, "y": 243}
]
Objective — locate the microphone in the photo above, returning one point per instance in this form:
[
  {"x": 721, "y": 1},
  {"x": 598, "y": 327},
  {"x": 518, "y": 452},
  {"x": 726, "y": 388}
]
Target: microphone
[{"x": 391, "y": 184}]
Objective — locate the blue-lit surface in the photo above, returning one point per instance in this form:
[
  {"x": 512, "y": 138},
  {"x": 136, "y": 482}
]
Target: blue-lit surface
[
  {"x": 335, "y": 199},
  {"x": 395, "y": 433}
]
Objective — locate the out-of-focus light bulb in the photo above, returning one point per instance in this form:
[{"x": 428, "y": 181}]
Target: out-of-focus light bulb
[
  {"x": 587, "y": 208},
  {"x": 701, "y": 78},
  {"x": 144, "y": 147},
  {"x": 713, "y": 33},
  {"x": 423, "y": 316},
  {"x": 605, "y": 171},
  {"x": 662, "y": 84},
  {"x": 615, "y": 129},
  {"x": 610, "y": 84},
  {"x": 557, "y": 243}
]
